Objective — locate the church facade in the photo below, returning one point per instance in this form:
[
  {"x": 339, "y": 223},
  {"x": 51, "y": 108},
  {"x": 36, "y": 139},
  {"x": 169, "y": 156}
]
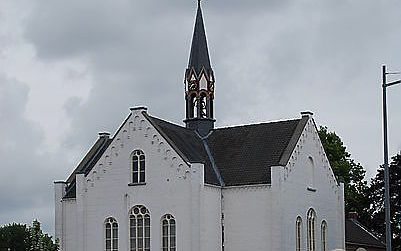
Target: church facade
[{"x": 155, "y": 185}]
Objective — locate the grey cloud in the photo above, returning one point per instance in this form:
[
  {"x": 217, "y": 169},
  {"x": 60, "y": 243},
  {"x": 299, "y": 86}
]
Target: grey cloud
[
  {"x": 272, "y": 59},
  {"x": 26, "y": 171}
]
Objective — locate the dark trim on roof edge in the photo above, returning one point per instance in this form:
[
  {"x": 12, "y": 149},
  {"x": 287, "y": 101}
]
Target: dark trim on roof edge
[
  {"x": 89, "y": 163},
  {"x": 211, "y": 159},
  {"x": 293, "y": 141},
  {"x": 169, "y": 141},
  {"x": 121, "y": 126},
  {"x": 365, "y": 245}
]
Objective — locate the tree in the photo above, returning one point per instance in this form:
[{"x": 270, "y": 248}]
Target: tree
[
  {"x": 349, "y": 172},
  {"x": 377, "y": 194},
  {"x": 14, "y": 237},
  {"x": 18, "y": 237}
]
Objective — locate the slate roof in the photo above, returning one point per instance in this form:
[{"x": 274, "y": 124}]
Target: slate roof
[
  {"x": 239, "y": 155},
  {"x": 87, "y": 163},
  {"x": 187, "y": 143},
  {"x": 242, "y": 154},
  {"x": 199, "y": 56},
  {"x": 356, "y": 233}
]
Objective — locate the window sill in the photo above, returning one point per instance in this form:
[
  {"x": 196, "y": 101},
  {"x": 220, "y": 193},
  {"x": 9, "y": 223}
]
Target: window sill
[
  {"x": 137, "y": 184},
  {"x": 311, "y": 189}
]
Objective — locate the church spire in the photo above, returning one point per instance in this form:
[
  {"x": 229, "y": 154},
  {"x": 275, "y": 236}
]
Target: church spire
[
  {"x": 199, "y": 81},
  {"x": 199, "y": 57}
]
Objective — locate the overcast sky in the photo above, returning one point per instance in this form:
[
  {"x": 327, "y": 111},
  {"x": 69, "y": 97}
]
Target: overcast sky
[{"x": 69, "y": 69}]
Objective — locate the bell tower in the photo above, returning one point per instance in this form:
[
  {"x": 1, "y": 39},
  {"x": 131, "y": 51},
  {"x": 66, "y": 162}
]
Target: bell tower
[{"x": 199, "y": 82}]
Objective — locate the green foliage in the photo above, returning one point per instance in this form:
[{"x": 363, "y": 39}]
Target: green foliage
[
  {"x": 18, "y": 237},
  {"x": 14, "y": 236},
  {"x": 377, "y": 195},
  {"x": 349, "y": 172}
]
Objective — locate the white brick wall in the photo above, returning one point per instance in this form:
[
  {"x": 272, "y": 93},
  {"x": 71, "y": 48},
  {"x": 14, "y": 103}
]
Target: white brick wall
[{"x": 256, "y": 217}]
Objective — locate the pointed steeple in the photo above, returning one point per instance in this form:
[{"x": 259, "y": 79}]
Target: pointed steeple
[
  {"x": 199, "y": 81},
  {"x": 199, "y": 57}
]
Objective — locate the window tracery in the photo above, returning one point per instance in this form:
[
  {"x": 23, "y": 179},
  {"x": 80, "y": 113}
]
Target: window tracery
[
  {"x": 111, "y": 234},
  {"x": 168, "y": 225},
  {"x": 139, "y": 228},
  {"x": 138, "y": 167}
]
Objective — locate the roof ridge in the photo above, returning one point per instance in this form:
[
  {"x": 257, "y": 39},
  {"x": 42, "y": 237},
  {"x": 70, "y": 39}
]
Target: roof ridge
[
  {"x": 365, "y": 229},
  {"x": 256, "y": 124},
  {"x": 213, "y": 162},
  {"x": 171, "y": 123}
]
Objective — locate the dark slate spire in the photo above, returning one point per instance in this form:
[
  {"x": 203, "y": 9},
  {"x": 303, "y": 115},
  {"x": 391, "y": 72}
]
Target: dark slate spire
[
  {"x": 199, "y": 82},
  {"x": 199, "y": 56}
]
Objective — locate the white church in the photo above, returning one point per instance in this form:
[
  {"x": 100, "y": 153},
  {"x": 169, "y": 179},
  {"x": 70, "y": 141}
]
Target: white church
[{"x": 155, "y": 185}]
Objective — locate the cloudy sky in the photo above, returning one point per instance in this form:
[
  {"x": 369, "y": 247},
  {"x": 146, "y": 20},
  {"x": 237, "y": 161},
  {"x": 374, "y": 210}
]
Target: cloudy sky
[{"x": 69, "y": 69}]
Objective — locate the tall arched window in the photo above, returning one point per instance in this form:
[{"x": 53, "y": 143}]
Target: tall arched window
[
  {"x": 168, "y": 233},
  {"x": 139, "y": 229},
  {"x": 298, "y": 234},
  {"x": 311, "y": 237},
  {"x": 311, "y": 168},
  {"x": 324, "y": 235},
  {"x": 111, "y": 234},
  {"x": 203, "y": 106},
  {"x": 138, "y": 167}
]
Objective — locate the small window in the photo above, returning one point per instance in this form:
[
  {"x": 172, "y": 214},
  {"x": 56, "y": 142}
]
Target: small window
[
  {"x": 324, "y": 235},
  {"x": 138, "y": 167},
  {"x": 298, "y": 234},
  {"x": 311, "y": 237},
  {"x": 139, "y": 229},
  {"x": 111, "y": 234},
  {"x": 168, "y": 233}
]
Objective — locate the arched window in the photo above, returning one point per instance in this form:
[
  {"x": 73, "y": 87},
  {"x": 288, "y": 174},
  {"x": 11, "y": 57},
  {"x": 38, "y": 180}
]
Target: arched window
[
  {"x": 168, "y": 233},
  {"x": 139, "y": 228},
  {"x": 138, "y": 167},
  {"x": 111, "y": 234},
  {"x": 311, "y": 165},
  {"x": 311, "y": 237},
  {"x": 203, "y": 106},
  {"x": 324, "y": 235},
  {"x": 298, "y": 234}
]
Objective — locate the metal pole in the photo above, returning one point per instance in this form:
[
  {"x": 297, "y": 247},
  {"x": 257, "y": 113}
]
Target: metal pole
[{"x": 386, "y": 167}]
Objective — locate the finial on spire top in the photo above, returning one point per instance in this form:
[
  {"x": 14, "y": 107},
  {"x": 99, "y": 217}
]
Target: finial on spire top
[{"x": 199, "y": 3}]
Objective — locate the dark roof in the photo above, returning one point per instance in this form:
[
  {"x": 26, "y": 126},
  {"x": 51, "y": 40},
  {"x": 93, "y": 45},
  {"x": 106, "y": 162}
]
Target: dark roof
[
  {"x": 199, "y": 56},
  {"x": 87, "y": 163},
  {"x": 356, "y": 233},
  {"x": 187, "y": 143},
  {"x": 232, "y": 156},
  {"x": 243, "y": 155}
]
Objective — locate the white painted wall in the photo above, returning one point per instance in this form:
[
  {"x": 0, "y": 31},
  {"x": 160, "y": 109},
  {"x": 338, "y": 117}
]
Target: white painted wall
[
  {"x": 258, "y": 217},
  {"x": 172, "y": 186},
  {"x": 247, "y": 225},
  {"x": 211, "y": 229},
  {"x": 69, "y": 226},
  {"x": 59, "y": 192},
  {"x": 290, "y": 189}
]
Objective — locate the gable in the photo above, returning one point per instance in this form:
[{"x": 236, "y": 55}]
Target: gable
[
  {"x": 244, "y": 154},
  {"x": 355, "y": 233},
  {"x": 240, "y": 155}
]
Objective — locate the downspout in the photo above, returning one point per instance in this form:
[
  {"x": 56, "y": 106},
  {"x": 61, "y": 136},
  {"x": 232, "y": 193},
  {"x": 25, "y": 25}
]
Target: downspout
[{"x": 222, "y": 184}]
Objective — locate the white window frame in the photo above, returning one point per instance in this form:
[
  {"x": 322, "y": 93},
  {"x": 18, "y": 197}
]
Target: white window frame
[
  {"x": 298, "y": 234},
  {"x": 311, "y": 230},
  {"x": 139, "y": 228},
  {"x": 323, "y": 228},
  {"x": 138, "y": 163},
  {"x": 168, "y": 232},
  {"x": 111, "y": 224}
]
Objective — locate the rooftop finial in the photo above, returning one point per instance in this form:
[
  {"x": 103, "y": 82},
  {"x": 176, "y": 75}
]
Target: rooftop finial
[{"x": 199, "y": 3}]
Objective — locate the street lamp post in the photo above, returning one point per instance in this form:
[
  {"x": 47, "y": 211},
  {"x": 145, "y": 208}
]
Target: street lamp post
[{"x": 385, "y": 152}]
